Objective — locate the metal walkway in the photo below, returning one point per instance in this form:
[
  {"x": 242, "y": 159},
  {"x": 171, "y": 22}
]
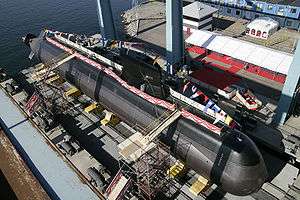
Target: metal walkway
[{"x": 155, "y": 132}]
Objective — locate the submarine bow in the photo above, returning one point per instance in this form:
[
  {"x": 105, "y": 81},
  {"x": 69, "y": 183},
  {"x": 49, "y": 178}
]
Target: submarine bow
[{"x": 230, "y": 159}]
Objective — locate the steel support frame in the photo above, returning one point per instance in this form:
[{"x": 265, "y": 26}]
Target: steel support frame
[
  {"x": 106, "y": 21},
  {"x": 287, "y": 98},
  {"x": 174, "y": 32}
]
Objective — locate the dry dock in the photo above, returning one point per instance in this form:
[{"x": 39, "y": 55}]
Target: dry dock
[
  {"x": 99, "y": 147},
  {"x": 78, "y": 136}
]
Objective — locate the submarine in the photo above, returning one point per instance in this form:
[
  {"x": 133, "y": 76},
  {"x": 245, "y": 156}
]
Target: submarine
[{"x": 227, "y": 158}]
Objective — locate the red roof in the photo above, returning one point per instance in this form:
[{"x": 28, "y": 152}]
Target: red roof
[
  {"x": 231, "y": 65},
  {"x": 218, "y": 79}
]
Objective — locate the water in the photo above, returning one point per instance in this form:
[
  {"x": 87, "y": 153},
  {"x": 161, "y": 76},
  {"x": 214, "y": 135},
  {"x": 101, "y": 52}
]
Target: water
[{"x": 19, "y": 17}]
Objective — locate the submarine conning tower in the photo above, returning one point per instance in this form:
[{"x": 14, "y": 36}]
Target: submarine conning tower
[{"x": 229, "y": 159}]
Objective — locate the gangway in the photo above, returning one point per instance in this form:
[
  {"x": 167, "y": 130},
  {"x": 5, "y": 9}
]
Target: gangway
[
  {"x": 154, "y": 133},
  {"x": 176, "y": 169},
  {"x": 138, "y": 144},
  {"x": 198, "y": 185},
  {"x": 45, "y": 71},
  {"x": 58, "y": 63}
]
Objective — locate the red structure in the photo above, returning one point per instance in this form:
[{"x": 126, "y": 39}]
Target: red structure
[{"x": 232, "y": 65}]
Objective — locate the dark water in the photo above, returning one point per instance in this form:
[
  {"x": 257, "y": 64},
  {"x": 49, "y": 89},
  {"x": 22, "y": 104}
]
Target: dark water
[{"x": 19, "y": 17}]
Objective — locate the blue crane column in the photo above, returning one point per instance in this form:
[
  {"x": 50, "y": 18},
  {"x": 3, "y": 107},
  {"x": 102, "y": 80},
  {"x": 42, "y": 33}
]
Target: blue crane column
[
  {"x": 174, "y": 32},
  {"x": 289, "y": 88},
  {"x": 106, "y": 21}
]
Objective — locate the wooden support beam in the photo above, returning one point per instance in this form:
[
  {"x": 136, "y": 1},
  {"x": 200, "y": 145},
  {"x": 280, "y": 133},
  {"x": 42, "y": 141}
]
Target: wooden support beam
[
  {"x": 198, "y": 185},
  {"x": 176, "y": 169},
  {"x": 73, "y": 92}
]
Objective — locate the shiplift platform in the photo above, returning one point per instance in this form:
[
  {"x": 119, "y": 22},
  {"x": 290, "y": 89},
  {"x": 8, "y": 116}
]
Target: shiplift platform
[
  {"x": 90, "y": 143},
  {"x": 85, "y": 141}
]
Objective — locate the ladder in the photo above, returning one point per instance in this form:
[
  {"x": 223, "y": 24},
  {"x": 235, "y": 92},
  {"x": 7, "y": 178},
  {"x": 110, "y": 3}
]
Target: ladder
[{"x": 44, "y": 76}]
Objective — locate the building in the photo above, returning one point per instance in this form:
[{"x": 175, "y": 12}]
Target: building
[
  {"x": 286, "y": 12},
  {"x": 197, "y": 16},
  {"x": 262, "y": 27}
]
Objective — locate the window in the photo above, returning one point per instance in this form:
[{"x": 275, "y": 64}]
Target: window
[
  {"x": 280, "y": 10},
  {"x": 247, "y": 30},
  {"x": 253, "y": 32},
  {"x": 264, "y": 35},
  {"x": 237, "y": 12},
  {"x": 228, "y": 10},
  {"x": 259, "y": 7},
  {"x": 258, "y": 33},
  {"x": 270, "y": 7},
  {"x": 289, "y": 23},
  {"x": 293, "y": 10}
]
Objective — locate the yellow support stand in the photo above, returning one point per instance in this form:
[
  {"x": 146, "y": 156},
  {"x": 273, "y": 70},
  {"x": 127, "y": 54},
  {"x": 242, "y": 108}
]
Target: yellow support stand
[
  {"x": 93, "y": 107},
  {"x": 55, "y": 78},
  {"x": 176, "y": 169},
  {"x": 39, "y": 67},
  {"x": 155, "y": 60},
  {"x": 114, "y": 121},
  {"x": 110, "y": 118},
  {"x": 228, "y": 120},
  {"x": 198, "y": 185},
  {"x": 73, "y": 92}
]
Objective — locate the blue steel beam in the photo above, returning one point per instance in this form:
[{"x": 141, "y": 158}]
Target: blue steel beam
[
  {"x": 106, "y": 21},
  {"x": 174, "y": 32},
  {"x": 289, "y": 88}
]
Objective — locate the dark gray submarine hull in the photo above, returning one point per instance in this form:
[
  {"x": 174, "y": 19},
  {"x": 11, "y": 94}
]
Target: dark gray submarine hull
[{"x": 231, "y": 160}]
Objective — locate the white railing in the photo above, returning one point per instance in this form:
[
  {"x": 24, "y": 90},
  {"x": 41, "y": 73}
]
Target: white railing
[
  {"x": 126, "y": 45},
  {"x": 89, "y": 53},
  {"x": 194, "y": 104}
]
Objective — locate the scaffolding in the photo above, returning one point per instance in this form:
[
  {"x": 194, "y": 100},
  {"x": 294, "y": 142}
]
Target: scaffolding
[
  {"x": 149, "y": 173},
  {"x": 48, "y": 84},
  {"x": 146, "y": 160}
]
